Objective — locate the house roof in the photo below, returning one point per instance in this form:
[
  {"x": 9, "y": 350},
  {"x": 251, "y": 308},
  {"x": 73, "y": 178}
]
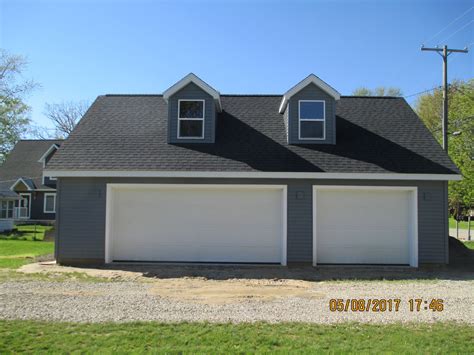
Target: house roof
[
  {"x": 374, "y": 135},
  {"x": 22, "y": 162}
]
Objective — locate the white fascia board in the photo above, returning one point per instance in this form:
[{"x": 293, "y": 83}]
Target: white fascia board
[
  {"x": 48, "y": 152},
  {"x": 249, "y": 175},
  {"x": 192, "y": 78},
  {"x": 310, "y": 79},
  {"x": 23, "y": 182}
]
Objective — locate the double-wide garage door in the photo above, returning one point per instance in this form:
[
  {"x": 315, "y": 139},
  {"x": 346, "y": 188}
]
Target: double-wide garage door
[
  {"x": 196, "y": 223},
  {"x": 247, "y": 224}
]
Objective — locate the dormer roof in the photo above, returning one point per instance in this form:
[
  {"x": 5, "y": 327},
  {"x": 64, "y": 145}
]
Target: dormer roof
[
  {"x": 192, "y": 78},
  {"x": 310, "y": 79},
  {"x": 46, "y": 154}
]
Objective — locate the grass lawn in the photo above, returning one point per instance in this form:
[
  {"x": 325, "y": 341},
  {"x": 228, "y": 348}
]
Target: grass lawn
[
  {"x": 108, "y": 338},
  {"x": 15, "y": 253},
  {"x": 462, "y": 224},
  {"x": 469, "y": 244},
  {"x": 27, "y": 232}
]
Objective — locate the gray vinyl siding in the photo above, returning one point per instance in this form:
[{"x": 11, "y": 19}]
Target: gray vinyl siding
[
  {"x": 192, "y": 92},
  {"x": 81, "y": 227},
  {"x": 82, "y": 201},
  {"x": 311, "y": 92}
]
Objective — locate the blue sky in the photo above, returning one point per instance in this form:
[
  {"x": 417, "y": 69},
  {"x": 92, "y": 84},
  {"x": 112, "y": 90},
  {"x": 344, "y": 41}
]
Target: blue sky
[{"x": 80, "y": 49}]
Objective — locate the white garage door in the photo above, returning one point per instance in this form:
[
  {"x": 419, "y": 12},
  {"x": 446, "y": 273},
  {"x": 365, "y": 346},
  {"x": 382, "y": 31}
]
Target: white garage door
[
  {"x": 362, "y": 225},
  {"x": 196, "y": 223}
]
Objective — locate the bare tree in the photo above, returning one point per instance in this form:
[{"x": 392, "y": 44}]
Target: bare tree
[
  {"x": 11, "y": 68},
  {"x": 42, "y": 132},
  {"x": 65, "y": 115}
]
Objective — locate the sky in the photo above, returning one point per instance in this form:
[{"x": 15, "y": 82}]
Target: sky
[{"x": 78, "y": 50}]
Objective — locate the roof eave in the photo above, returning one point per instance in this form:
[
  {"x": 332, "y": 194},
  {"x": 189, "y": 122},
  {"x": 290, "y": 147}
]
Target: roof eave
[{"x": 251, "y": 174}]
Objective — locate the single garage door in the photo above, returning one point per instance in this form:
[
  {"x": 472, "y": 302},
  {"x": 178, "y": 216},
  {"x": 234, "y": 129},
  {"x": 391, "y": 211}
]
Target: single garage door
[
  {"x": 362, "y": 225},
  {"x": 196, "y": 223}
]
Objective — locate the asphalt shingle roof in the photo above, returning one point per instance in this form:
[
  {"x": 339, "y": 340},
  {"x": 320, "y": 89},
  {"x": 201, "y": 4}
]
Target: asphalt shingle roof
[
  {"x": 374, "y": 135},
  {"x": 23, "y": 162}
]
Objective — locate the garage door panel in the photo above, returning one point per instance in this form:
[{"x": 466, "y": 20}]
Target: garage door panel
[
  {"x": 390, "y": 238},
  {"x": 363, "y": 226},
  {"x": 197, "y": 224},
  {"x": 360, "y": 255},
  {"x": 353, "y": 206}
]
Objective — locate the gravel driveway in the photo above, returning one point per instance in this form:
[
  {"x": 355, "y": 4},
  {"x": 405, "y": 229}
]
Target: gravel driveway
[{"x": 229, "y": 300}]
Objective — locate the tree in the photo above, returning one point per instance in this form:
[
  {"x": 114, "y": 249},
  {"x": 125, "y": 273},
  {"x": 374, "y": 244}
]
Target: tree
[
  {"x": 14, "y": 120},
  {"x": 65, "y": 116},
  {"x": 460, "y": 136},
  {"x": 378, "y": 91}
]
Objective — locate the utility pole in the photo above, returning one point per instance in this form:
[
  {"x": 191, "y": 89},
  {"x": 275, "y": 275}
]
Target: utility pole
[{"x": 444, "y": 53}]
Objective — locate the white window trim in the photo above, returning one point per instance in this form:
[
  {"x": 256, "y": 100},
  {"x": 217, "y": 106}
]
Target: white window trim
[
  {"x": 44, "y": 202},
  {"x": 413, "y": 213},
  {"x": 312, "y": 120},
  {"x": 191, "y": 119},
  {"x": 13, "y": 209}
]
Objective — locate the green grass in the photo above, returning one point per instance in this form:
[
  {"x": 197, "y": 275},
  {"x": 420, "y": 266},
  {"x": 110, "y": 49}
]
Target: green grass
[
  {"x": 462, "y": 224},
  {"x": 469, "y": 244},
  {"x": 27, "y": 232},
  {"x": 15, "y": 253},
  {"x": 108, "y": 338}
]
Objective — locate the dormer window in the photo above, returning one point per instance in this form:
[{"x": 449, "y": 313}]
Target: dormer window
[
  {"x": 312, "y": 119},
  {"x": 191, "y": 119}
]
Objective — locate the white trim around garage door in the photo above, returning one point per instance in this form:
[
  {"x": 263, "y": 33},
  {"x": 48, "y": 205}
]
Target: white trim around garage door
[
  {"x": 109, "y": 203},
  {"x": 414, "y": 218}
]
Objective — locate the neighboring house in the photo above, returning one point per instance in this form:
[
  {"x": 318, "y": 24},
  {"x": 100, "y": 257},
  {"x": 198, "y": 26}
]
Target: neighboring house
[
  {"x": 7, "y": 207},
  {"x": 305, "y": 177},
  {"x": 21, "y": 176}
]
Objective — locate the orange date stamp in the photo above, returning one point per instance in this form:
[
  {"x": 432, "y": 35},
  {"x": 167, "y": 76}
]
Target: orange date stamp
[{"x": 385, "y": 305}]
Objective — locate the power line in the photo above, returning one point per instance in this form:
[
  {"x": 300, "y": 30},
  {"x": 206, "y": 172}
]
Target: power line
[
  {"x": 463, "y": 27},
  {"x": 444, "y": 53},
  {"x": 444, "y": 28},
  {"x": 422, "y": 92}
]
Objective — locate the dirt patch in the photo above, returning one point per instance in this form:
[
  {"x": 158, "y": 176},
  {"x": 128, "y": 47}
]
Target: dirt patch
[
  {"x": 194, "y": 289},
  {"x": 51, "y": 268},
  {"x": 231, "y": 291}
]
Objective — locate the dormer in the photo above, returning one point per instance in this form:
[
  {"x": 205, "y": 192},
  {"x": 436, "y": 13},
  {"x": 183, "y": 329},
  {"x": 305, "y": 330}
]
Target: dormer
[
  {"x": 309, "y": 111},
  {"x": 192, "y": 111}
]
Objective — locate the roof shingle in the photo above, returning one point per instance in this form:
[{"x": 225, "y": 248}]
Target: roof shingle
[{"x": 374, "y": 135}]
